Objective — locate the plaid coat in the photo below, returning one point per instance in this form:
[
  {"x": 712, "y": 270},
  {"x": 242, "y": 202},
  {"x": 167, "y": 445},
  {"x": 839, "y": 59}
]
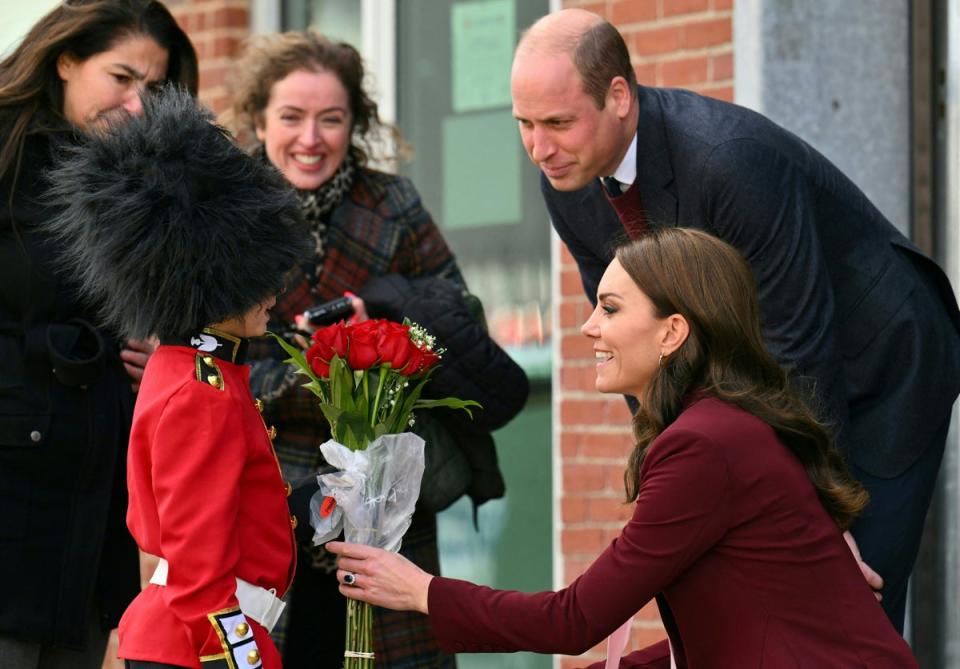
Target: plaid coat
[{"x": 380, "y": 228}]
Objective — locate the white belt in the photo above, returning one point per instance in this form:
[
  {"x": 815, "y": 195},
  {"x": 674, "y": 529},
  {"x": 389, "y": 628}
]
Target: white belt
[{"x": 256, "y": 603}]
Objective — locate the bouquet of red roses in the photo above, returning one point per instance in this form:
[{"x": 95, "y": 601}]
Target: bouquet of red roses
[{"x": 369, "y": 377}]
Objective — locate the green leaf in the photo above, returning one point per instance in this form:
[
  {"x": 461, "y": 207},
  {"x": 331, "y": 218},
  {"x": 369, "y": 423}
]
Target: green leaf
[
  {"x": 341, "y": 384},
  {"x": 331, "y": 413},
  {"x": 417, "y": 389},
  {"x": 378, "y": 376},
  {"x": 317, "y": 388},
  {"x": 345, "y": 436},
  {"x": 356, "y": 432},
  {"x": 406, "y": 406},
  {"x": 296, "y": 356},
  {"x": 361, "y": 394},
  {"x": 449, "y": 403},
  {"x": 394, "y": 422}
]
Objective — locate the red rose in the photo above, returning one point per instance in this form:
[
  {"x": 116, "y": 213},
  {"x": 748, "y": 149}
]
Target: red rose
[
  {"x": 428, "y": 360},
  {"x": 421, "y": 360},
  {"x": 362, "y": 347},
  {"x": 328, "y": 342},
  {"x": 395, "y": 345},
  {"x": 413, "y": 364},
  {"x": 320, "y": 367}
]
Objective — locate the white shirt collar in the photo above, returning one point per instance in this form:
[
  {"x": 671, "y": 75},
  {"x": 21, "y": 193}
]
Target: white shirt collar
[{"x": 626, "y": 173}]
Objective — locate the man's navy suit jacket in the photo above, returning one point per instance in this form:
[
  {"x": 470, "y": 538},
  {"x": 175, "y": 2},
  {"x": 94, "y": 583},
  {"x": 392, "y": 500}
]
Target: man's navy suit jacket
[{"x": 847, "y": 301}]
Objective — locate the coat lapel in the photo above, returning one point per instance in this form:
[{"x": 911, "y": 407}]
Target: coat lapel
[{"x": 654, "y": 170}]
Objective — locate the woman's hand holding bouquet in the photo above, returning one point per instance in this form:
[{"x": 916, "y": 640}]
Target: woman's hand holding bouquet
[{"x": 368, "y": 377}]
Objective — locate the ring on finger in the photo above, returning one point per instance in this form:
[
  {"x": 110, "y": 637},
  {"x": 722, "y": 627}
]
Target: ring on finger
[{"x": 349, "y": 578}]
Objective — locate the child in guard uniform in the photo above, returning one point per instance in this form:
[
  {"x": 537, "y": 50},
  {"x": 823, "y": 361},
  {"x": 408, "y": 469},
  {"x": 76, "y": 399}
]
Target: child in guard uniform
[{"x": 177, "y": 233}]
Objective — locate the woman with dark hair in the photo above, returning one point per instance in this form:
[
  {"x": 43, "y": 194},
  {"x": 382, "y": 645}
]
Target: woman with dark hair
[
  {"x": 302, "y": 96},
  {"x": 741, "y": 498},
  {"x": 69, "y": 567}
]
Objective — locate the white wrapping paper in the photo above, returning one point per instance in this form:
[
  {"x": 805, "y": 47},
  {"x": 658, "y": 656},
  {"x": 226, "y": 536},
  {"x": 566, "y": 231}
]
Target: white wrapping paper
[{"x": 376, "y": 491}]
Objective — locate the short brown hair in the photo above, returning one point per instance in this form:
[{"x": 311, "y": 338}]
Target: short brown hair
[
  {"x": 270, "y": 58},
  {"x": 600, "y": 55},
  {"x": 708, "y": 282}
]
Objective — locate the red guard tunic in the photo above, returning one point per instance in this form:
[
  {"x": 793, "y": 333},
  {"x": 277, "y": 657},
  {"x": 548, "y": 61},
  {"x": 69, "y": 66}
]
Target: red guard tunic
[{"x": 207, "y": 495}]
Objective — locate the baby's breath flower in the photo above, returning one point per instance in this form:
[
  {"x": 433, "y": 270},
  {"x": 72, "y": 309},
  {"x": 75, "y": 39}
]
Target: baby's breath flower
[{"x": 424, "y": 340}]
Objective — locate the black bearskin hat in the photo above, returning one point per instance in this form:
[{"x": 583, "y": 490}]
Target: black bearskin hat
[{"x": 167, "y": 226}]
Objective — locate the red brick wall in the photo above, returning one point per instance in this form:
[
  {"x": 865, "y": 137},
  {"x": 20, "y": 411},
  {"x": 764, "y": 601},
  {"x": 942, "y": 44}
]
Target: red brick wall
[
  {"x": 679, "y": 43},
  {"x": 217, "y": 28}
]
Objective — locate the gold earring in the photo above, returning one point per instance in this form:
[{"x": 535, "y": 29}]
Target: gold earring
[{"x": 660, "y": 361}]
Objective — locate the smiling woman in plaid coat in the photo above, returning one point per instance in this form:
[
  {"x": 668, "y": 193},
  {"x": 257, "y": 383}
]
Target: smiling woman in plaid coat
[{"x": 303, "y": 98}]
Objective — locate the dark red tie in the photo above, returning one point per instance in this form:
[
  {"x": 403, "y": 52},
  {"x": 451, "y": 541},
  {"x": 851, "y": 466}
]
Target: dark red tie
[{"x": 627, "y": 205}]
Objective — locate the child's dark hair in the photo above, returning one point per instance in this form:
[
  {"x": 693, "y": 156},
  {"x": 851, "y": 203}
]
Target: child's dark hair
[{"x": 170, "y": 227}]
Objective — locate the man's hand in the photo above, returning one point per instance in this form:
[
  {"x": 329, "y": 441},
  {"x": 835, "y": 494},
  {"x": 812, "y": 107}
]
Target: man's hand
[
  {"x": 134, "y": 356},
  {"x": 874, "y": 580}
]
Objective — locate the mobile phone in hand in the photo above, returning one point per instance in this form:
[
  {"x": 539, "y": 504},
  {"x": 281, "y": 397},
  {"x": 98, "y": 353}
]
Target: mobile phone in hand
[{"x": 329, "y": 312}]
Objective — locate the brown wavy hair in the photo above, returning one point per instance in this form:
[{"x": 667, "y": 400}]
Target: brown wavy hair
[
  {"x": 31, "y": 92},
  {"x": 709, "y": 283},
  {"x": 270, "y": 58}
]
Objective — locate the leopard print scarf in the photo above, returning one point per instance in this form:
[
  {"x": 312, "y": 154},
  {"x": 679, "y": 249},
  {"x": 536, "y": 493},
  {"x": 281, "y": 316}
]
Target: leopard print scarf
[{"x": 319, "y": 202}]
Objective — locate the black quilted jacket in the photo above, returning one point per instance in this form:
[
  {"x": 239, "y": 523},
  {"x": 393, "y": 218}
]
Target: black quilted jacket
[{"x": 473, "y": 367}]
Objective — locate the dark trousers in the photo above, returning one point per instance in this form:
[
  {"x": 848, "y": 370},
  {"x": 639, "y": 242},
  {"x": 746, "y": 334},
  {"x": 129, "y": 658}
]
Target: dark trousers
[
  {"x": 137, "y": 664},
  {"x": 317, "y": 624},
  {"x": 889, "y": 531},
  {"x": 18, "y": 654}
]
